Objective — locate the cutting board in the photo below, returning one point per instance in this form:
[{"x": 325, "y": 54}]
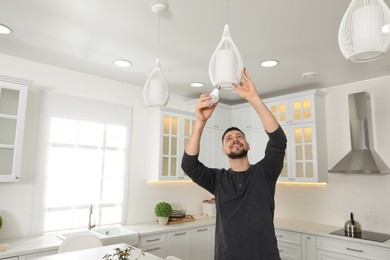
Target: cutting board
[{"x": 187, "y": 218}]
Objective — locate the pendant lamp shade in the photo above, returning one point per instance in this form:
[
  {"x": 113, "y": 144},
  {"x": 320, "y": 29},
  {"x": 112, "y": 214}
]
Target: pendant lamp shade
[
  {"x": 226, "y": 63},
  {"x": 364, "y": 33},
  {"x": 156, "y": 90}
]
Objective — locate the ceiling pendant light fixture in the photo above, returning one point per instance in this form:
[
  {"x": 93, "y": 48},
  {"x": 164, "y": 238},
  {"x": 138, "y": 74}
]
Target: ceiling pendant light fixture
[
  {"x": 226, "y": 63},
  {"x": 364, "y": 33},
  {"x": 156, "y": 89}
]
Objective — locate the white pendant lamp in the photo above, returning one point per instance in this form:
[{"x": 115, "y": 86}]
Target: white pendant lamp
[
  {"x": 156, "y": 89},
  {"x": 226, "y": 64},
  {"x": 364, "y": 33}
]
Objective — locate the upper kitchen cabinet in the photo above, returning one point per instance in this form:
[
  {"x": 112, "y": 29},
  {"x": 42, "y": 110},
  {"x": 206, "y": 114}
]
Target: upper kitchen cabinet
[
  {"x": 13, "y": 100},
  {"x": 302, "y": 116},
  {"x": 299, "y": 109},
  {"x": 168, "y": 133},
  {"x": 245, "y": 117},
  {"x": 220, "y": 118}
]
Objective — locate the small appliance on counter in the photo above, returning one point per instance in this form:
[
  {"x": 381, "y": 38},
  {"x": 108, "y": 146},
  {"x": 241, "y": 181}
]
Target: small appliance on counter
[
  {"x": 209, "y": 209},
  {"x": 353, "y": 229}
]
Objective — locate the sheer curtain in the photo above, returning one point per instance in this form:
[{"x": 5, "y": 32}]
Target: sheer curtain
[{"x": 81, "y": 160}]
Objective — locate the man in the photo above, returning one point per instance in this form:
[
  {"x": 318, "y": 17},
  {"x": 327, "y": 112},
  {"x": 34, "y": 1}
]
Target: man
[{"x": 244, "y": 193}]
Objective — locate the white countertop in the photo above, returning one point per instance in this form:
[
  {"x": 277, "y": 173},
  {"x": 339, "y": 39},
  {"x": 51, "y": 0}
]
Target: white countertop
[
  {"x": 30, "y": 245},
  {"x": 98, "y": 253},
  {"x": 321, "y": 230},
  {"x": 149, "y": 228}
]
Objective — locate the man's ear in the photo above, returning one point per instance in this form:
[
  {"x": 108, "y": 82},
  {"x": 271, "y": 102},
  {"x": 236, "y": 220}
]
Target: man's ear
[{"x": 223, "y": 150}]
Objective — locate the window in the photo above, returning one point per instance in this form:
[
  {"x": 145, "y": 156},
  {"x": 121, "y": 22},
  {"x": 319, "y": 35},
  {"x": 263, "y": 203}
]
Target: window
[{"x": 85, "y": 162}]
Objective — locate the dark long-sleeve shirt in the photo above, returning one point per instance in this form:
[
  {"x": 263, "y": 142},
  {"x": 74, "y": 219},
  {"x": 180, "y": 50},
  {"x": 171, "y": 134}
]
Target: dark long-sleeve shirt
[{"x": 245, "y": 203}]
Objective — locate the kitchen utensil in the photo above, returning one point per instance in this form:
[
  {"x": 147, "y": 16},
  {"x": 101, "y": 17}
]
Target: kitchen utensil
[{"x": 352, "y": 227}]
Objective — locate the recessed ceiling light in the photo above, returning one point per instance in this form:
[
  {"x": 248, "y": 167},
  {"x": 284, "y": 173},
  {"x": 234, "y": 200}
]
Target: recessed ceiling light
[
  {"x": 269, "y": 63},
  {"x": 123, "y": 63},
  {"x": 308, "y": 75},
  {"x": 196, "y": 84},
  {"x": 4, "y": 29}
]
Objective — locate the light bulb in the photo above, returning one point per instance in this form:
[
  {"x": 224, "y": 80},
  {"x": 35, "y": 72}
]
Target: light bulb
[
  {"x": 226, "y": 63},
  {"x": 214, "y": 96}
]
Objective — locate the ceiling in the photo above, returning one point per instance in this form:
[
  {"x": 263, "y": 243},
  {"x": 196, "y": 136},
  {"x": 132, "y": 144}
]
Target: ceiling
[{"x": 87, "y": 35}]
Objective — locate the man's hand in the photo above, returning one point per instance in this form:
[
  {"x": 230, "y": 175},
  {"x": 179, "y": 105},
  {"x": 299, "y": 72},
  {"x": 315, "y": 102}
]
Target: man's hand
[
  {"x": 247, "y": 89},
  {"x": 203, "y": 109}
]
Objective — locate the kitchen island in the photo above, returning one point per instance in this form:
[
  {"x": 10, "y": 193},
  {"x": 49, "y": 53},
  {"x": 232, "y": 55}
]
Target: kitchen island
[{"x": 99, "y": 253}]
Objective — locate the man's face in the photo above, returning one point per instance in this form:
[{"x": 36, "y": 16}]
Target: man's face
[{"x": 235, "y": 145}]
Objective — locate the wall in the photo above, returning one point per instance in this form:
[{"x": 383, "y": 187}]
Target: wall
[
  {"x": 367, "y": 196},
  {"x": 18, "y": 200}
]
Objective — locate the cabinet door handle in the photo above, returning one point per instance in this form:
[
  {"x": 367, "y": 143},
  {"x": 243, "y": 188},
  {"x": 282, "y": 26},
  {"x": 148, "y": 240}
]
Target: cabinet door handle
[
  {"x": 180, "y": 234},
  {"x": 151, "y": 249},
  {"x": 355, "y": 250},
  {"x": 200, "y": 230},
  {"x": 152, "y": 240}
]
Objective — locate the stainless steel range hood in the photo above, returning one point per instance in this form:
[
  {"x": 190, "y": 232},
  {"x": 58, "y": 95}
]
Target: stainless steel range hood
[{"x": 362, "y": 158}]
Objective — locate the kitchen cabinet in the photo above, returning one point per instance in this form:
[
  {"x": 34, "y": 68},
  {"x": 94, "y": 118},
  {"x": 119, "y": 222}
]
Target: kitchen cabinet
[
  {"x": 210, "y": 153},
  {"x": 289, "y": 244},
  {"x": 329, "y": 248},
  {"x": 220, "y": 119},
  {"x": 155, "y": 244},
  {"x": 13, "y": 101},
  {"x": 325, "y": 255},
  {"x": 309, "y": 247},
  {"x": 302, "y": 116},
  {"x": 168, "y": 133},
  {"x": 179, "y": 244},
  {"x": 202, "y": 243},
  {"x": 9, "y": 258},
  {"x": 257, "y": 139},
  {"x": 31, "y": 256},
  {"x": 245, "y": 117},
  {"x": 186, "y": 244}
]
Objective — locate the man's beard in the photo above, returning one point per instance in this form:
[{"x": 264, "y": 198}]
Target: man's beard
[{"x": 240, "y": 155}]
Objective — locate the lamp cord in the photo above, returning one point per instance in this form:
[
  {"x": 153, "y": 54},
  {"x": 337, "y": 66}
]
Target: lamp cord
[
  {"x": 158, "y": 37},
  {"x": 227, "y": 11}
]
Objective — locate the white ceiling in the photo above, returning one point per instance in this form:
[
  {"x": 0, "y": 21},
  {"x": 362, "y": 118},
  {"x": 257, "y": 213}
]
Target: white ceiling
[{"x": 87, "y": 35}]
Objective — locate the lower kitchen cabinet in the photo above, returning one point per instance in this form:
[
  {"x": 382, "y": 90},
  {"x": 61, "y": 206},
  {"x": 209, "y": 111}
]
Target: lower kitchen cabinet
[
  {"x": 289, "y": 251},
  {"x": 309, "y": 247},
  {"x": 155, "y": 244},
  {"x": 325, "y": 255},
  {"x": 202, "y": 243},
  {"x": 192, "y": 244},
  {"x": 329, "y": 248},
  {"x": 289, "y": 244},
  {"x": 178, "y": 244}
]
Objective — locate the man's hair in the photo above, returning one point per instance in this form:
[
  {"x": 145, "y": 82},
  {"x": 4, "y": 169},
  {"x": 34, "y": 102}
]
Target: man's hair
[{"x": 232, "y": 129}]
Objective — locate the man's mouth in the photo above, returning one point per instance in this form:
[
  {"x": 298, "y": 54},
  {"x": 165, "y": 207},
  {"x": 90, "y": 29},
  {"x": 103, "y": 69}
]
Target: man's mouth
[{"x": 235, "y": 146}]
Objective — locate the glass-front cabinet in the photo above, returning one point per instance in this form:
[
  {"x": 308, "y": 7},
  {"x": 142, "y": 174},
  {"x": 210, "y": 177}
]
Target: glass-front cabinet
[
  {"x": 302, "y": 116},
  {"x": 169, "y": 131},
  {"x": 13, "y": 99},
  {"x": 294, "y": 110}
]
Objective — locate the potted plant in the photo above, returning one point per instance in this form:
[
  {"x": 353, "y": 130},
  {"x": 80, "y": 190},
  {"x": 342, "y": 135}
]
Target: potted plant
[
  {"x": 163, "y": 210},
  {"x": 1, "y": 222}
]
